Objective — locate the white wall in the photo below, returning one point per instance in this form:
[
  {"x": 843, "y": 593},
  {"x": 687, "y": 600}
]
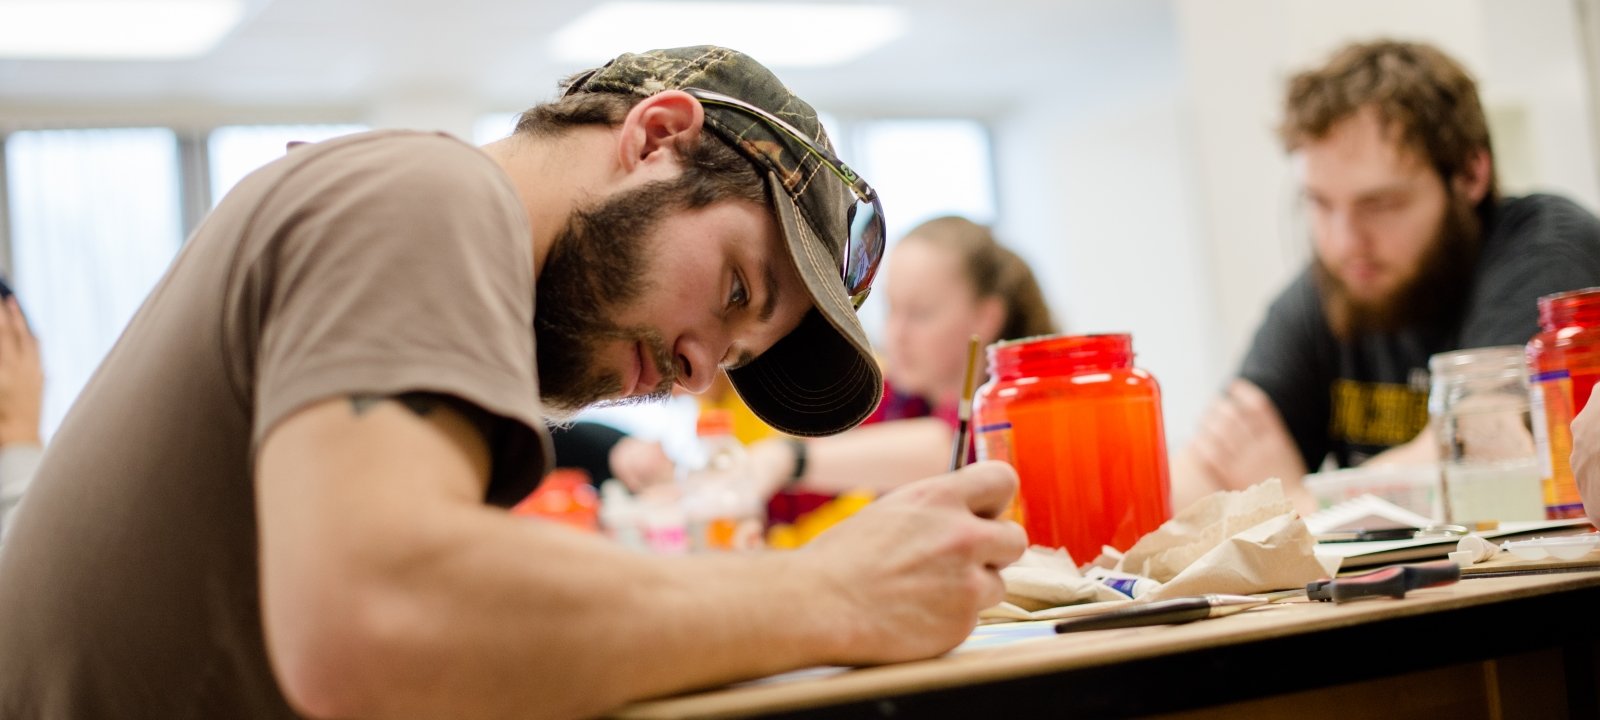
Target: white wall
[
  {"x": 423, "y": 108},
  {"x": 1098, "y": 199},
  {"x": 1534, "y": 72}
]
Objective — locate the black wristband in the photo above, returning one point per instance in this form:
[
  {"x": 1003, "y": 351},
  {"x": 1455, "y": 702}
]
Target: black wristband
[{"x": 799, "y": 448}]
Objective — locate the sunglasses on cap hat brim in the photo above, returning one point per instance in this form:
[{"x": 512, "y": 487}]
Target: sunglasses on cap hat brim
[{"x": 863, "y": 251}]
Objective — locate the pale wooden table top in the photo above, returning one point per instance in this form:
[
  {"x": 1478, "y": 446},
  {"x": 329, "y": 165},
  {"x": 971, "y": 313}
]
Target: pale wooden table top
[{"x": 1057, "y": 654}]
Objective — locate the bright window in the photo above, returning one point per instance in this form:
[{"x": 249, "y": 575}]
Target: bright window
[
  {"x": 95, "y": 221},
  {"x": 927, "y": 168},
  {"x": 922, "y": 169},
  {"x": 237, "y": 150}
]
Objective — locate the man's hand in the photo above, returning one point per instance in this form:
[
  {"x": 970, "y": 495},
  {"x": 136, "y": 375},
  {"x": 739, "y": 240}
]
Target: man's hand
[
  {"x": 908, "y": 574},
  {"x": 1424, "y": 448},
  {"x": 21, "y": 378},
  {"x": 640, "y": 464},
  {"x": 1586, "y": 457},
  {"x": 1241, "y": 441}
]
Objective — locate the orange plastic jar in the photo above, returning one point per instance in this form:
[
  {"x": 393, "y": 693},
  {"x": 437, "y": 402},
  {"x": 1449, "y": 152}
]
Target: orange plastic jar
[
  {"x": 1082, "y": 426},
  {"x": 1563, "y": 363},
  {"x": 564, "y": 496}
]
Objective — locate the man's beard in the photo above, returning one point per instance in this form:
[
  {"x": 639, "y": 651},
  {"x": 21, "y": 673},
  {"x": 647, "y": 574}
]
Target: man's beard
[
  {"x": 598, "y": 267},
  {"x": 1433, "y": 292}
]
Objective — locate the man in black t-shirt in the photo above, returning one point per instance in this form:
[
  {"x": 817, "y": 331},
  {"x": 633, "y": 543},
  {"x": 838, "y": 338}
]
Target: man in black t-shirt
[{"x": 1415, "y": 253}]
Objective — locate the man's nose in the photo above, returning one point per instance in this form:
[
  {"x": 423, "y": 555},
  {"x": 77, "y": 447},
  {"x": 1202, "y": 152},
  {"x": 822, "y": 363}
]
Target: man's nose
[
  {"x": 1344, "y": 230},
  {"x": 696, "y": 366}
]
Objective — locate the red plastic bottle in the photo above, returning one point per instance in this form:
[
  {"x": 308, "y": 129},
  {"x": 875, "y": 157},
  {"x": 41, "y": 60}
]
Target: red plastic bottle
[
  {"x": 1564, "y": 363},
  {"x": 564, "y": 496},
  {"x": 1083, "y": 428}
]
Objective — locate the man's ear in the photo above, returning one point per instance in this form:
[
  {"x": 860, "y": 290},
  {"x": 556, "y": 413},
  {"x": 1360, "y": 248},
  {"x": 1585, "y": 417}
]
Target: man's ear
[
  {"x": 1473, "y": 182},
  {"x": 656, "y": 127}
]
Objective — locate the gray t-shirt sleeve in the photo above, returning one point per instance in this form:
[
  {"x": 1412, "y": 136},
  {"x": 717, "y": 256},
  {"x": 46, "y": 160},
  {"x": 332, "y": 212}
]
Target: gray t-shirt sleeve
[
  {"x": 18, "y": 463},
  {"x": 1292, "y": 360},
  {"x": 1544, "y": 244}
]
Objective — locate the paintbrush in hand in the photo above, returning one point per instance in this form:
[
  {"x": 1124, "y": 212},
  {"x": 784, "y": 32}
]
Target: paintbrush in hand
[{"x": 958, "y": 454}]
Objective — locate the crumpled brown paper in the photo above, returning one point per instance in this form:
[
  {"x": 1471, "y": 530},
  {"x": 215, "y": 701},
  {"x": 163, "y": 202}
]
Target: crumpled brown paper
[
  {"x": 1244, "y": 541},
  {"x": 1166, "y": 551},
  {"x": 1278, "y": 554}
]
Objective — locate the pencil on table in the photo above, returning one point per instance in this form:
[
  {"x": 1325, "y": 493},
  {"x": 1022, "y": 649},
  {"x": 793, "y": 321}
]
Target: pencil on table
[{"x": 958, "y": 454}]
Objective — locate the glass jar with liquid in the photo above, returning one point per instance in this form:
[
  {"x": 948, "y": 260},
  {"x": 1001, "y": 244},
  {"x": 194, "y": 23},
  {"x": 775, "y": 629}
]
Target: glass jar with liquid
[
  {"x": 1487, "y": 453},
  {"x": 1082, "y": 426}
]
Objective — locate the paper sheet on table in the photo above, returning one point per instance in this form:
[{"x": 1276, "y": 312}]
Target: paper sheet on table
[{"x": 1366, "y": 512}]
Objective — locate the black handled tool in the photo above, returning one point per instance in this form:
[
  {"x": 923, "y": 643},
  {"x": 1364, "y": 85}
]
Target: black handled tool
[
  {"x": 1393, "y": 581},
  {"x": 1163, "y": 612}
]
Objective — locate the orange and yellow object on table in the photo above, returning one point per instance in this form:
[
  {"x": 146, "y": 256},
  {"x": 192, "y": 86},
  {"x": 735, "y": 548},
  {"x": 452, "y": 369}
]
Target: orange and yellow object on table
[
  {"x": 564, "y": 496},
  {"x": 746, "y": 426},
  {"x": 812, "y": 524}
]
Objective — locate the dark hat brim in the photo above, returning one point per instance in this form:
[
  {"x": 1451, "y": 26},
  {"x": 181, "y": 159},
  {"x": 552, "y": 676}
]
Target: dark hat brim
[{"x": 821, "y": 378}]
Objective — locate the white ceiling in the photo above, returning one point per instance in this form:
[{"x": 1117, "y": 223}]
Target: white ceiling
[{"x": 978, "y": 57}]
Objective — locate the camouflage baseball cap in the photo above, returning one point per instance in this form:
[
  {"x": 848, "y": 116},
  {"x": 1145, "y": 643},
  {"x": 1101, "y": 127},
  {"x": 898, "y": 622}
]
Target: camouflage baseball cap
[{"x": 821, "y": 378}]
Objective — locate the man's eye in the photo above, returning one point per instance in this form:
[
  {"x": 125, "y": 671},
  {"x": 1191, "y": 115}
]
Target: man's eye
[{"x": 738, "y": 296}]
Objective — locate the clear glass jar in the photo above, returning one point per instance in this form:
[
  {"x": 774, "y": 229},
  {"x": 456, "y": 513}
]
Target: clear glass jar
[{"x": 1487, "y": 452}]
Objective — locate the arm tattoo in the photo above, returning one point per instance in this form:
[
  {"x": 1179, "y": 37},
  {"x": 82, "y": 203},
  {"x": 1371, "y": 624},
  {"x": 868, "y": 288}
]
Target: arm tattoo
[
  {"x": 360, "y": 404},
  {"x": 422, "y": 404}
]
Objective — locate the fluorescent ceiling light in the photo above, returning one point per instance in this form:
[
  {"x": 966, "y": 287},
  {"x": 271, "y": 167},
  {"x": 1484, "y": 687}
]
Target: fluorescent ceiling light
[
  {"x": 114, "y": 29},
  {"x": 776, "y": 34}
]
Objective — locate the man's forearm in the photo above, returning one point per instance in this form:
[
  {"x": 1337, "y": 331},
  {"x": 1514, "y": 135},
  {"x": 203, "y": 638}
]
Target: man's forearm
[
  {"x": 1191, "y": 479},
  {"x": 388, "y": 590},
  {"x": 497, "y": 616},
  {"x": 1241, "y": 441},
  {"x": 878, "y": 457}
]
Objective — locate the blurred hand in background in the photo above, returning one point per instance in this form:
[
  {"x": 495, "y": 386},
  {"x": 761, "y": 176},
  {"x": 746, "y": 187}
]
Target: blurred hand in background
[{"x": 21, "y": 378}]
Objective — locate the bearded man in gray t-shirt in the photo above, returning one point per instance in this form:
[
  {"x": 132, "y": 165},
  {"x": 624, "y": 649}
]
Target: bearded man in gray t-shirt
[{"x": 1416, "y": 253}]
